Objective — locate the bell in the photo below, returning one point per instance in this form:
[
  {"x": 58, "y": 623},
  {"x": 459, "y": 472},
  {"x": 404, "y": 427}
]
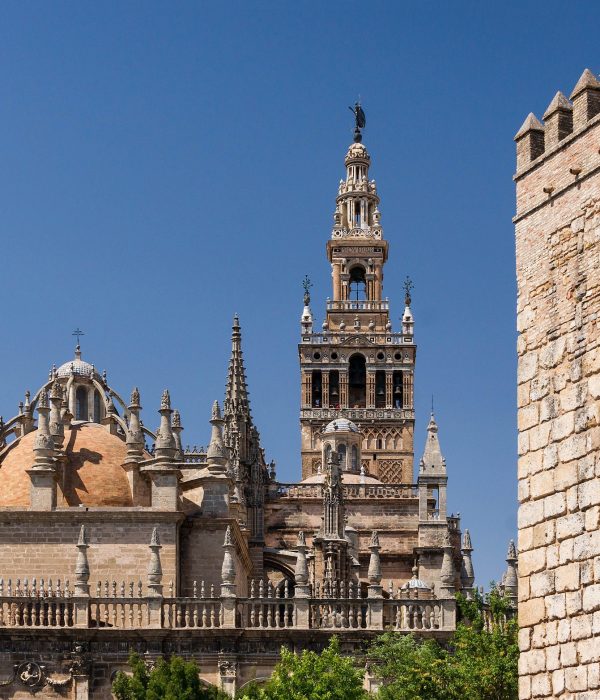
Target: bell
[
  {"x": 381, "y": 391},
  {"x": 334, "y": 391},
  {"x": 397, "y": 390}
]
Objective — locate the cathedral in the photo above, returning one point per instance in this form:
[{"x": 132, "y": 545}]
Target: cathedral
[{"x": 117, "y": 537}]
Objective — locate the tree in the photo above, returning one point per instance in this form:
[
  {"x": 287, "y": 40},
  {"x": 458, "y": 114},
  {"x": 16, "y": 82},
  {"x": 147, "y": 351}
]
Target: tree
[
  {"x": 174, "y": 679},
  {"x": 312, "y": 676},
  {"x": 478, "y": 663}
]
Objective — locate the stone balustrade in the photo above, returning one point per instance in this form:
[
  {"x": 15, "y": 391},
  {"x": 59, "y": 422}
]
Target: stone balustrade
[{"x": 265, "y": 608}]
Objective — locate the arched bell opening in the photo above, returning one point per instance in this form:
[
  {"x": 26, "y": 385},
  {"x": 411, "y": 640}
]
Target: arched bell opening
[
  {"x": 357, "y": 381},
  {"x": 398, "y": 389},
  {"x": 317, "y": 387},
  {"x": 334, "y": 389},
  {"x": 379, "y": 389},
  {"x": 358, "y": 283}
]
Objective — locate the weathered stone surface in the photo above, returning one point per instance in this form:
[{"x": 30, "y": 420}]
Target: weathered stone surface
[{"x": 558, "y": 249}]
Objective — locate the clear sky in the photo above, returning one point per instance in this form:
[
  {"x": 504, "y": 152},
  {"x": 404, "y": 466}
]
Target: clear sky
[{"x": 164, "y": 165}]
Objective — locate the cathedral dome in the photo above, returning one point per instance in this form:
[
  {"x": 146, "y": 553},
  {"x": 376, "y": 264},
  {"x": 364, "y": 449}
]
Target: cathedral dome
[
  {"x": 341, "y": 425},
  {"x": 77, "y": 366},
  {"x": 93, "y": 472}
]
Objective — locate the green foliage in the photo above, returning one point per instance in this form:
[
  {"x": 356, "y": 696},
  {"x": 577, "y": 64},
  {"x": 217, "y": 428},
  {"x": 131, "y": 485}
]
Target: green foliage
[
  {"x": 174, "y": 679},
  {"x": 479, "y": 662},
  {"x": 312, "y": 676}
]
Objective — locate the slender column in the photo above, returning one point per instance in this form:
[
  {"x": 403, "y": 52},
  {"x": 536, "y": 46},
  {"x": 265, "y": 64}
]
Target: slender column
[
  {"x": 90, "y": 403},
  {"x": 343, "y": 389},
  {"x": 389, "y": 389},
  {"x": 370, "y": 389},
  {"x": 407, "y": 389},
  {"x": 325, "y": 388},
  {"x": 378, "y": 285},
  {"x": 307, "y": 389},
  {"x": 337, "y": 287}
]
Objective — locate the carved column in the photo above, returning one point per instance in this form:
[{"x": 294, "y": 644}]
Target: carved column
[
  {"x": 407, "y": 389},
  {"x": 307, "y": 387},
  {"x": 325, "y": 388},
  {"x": 370, "y": 389},
  {"x": 389, "y": 390},
  {"x": 343, "y": 388}
]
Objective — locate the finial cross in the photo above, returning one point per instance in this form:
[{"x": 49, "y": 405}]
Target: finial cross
[{"x": 78, "y": 332}]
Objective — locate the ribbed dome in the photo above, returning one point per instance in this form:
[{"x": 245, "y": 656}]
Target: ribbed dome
[
  {"x": 341, "y": 425},
  {"x": 77, "y": 366},
  {"x": 93, "y": 473}
]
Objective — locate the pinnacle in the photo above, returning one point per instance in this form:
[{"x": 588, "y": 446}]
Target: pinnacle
[
  {"x": 512, "y": 553},
  {"x": 531, "y": 123},
  {"x": 587, "y": 81},
  {"x": 559, "y": 103},
  {"x": 466, "y": 544}
]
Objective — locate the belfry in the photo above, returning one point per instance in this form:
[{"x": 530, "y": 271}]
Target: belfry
[
  {"x": 114, "y": 536},
  {"x": 356, "y": 366}
]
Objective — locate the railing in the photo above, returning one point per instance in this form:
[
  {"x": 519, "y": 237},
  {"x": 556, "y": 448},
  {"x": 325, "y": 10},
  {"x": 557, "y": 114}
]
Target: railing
[
  {"x": 328, "y": 607},
  {"x": 378, "y": 337},
  {"x": 357, "y": 305},
  {"x": 132, "y": 613},
  {"x": 191, "y": 613},
  {"x": 408, "y": 616},
  {"x": 358, "y": 414},
  {"x": 357, "y": 232},
  {"x": 374, "y": 491},
  {"x": 40, "y": 612}
]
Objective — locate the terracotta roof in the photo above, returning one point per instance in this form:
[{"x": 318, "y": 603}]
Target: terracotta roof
[{"x": 93, "y": 474}]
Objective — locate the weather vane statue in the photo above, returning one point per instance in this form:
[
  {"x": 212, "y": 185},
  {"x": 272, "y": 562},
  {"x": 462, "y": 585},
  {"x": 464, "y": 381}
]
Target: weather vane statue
[
  {"x": 307, "y": 284},
  {"x": 360, "y": 121}
]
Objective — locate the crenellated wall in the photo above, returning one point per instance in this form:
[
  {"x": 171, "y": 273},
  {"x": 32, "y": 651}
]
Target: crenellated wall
[{"x": 558, "y": 275}]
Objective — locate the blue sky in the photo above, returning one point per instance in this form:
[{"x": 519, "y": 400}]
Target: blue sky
[{"x": 165, "y": 165}]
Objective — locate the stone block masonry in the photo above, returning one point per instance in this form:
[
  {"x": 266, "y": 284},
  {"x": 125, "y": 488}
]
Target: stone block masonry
[{"x": 558, "y": 319}]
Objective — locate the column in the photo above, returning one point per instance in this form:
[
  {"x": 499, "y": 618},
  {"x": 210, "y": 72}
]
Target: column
[
  {"x": 378, "y": 279},
  {"x": 343, "y": 388},
  {"x": 307, "y": 386},
  {"x": 337, "y": 288},
  {"x": 407, "y": 389},
  {"x": 370, "y": 389},
  {"x": 325, "y": 388},
  {"x": 389, "y": 389}
]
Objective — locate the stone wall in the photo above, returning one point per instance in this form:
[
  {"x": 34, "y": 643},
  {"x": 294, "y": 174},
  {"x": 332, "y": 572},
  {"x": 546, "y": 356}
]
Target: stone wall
[
  {"x": 42, "y": 545},
  {"x": 558, "y": 277}
]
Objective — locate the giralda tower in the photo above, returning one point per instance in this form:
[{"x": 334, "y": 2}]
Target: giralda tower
[{"x": 356, "y": 366}]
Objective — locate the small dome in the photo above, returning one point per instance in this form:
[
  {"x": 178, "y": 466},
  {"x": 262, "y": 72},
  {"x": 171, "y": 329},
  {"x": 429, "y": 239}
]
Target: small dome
[
  {"x": 79, "y": 367},
  {"x": 357, "y": 152},
  {"x": 93, "y": 473},
  {"x": 341, "y": 425}
]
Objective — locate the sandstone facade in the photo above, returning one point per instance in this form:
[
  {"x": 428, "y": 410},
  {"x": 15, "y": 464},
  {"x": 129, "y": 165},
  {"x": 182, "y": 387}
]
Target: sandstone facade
[
  {"x": 114, "y": 536},
  {"x": 558, "y": 310}
]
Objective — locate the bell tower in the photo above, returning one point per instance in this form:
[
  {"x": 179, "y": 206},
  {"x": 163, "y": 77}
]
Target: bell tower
[{"x": 356, "y": 366}]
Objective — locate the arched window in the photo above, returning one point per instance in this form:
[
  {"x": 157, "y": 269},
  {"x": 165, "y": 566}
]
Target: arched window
[
  {"x": 379, "y": 389},
  {"x": 316, "y": 388},
  {"x": 398, "y": 390},
  {"x": 358, "y": 284},
  {"x": 354, "y": 458},
  {"x": 357, "y": 382},
  {"x": 97, "y": 407},
  {"x": 342, "y": 455},
  {"x": 334, "y": 389},
  {"x": 81, "y": 404}
]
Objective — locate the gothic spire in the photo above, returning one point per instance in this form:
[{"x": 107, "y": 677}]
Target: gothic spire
[
  {"x": 236, "y": 392},
  {"x": 432, "y": 461}
]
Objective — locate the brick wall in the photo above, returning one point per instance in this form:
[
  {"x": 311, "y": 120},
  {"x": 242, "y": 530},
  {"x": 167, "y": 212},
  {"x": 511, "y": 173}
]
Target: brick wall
[{"x": 558, "y": 311}]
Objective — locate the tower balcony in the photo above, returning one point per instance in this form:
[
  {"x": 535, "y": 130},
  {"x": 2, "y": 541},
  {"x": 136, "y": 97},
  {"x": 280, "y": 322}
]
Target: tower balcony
[{"x": 358, "y": 305}]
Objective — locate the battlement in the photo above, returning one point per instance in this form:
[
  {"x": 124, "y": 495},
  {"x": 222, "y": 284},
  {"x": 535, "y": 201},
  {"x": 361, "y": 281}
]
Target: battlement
[{"x": 563, "y": 150}]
